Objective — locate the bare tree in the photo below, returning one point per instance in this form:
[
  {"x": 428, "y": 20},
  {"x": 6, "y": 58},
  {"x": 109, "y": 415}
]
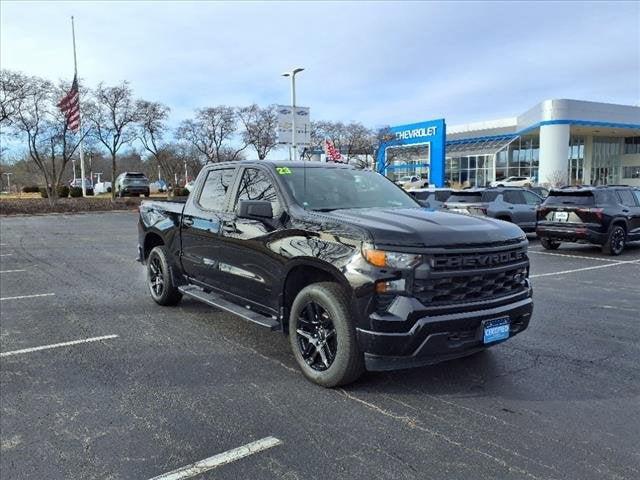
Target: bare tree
[
  {"x": 357, "y": 141},
  {"x": 152, "y": 117},
  {"x": 50, "y": 142},
  {"x": 211, "y": 133},
  {"x": 382, "y": 137},
  {"x": 259, "y": 128},
  {"x": 557, "y": 178},
  {"x": 14, "y": 89},
  {"x": 112, "y": 114}
]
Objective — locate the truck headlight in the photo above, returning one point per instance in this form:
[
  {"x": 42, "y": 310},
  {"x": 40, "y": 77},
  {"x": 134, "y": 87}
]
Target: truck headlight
[{"x": 383, "y": 258}]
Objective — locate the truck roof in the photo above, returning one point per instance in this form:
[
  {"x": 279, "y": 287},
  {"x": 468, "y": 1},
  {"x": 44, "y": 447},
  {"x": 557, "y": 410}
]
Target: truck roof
[{"x": 288, "y": 163}]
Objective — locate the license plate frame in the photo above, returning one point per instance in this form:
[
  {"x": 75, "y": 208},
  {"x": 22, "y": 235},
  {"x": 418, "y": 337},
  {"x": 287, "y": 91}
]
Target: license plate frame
[
  {"x": 495, "y": 330},
  {"x": 561, "y": 217}
]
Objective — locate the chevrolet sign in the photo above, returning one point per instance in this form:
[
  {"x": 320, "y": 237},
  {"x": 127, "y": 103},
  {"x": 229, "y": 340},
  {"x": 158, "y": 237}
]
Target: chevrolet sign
[{"x": 477, "y": 260}]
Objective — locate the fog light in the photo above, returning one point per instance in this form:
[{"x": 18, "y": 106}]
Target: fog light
[{"x": 390, "y": 286}]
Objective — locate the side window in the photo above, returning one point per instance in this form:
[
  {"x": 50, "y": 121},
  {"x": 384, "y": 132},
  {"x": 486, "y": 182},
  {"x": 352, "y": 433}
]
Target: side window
[
  {"x": 626, "y": 197},
  {"x": 257, "y": 185},
  {"x": 214, "y": 191},
  {"x": 531, "y": 198},
  {"x": 514, "y": 197},
  {"x": 637, "y": 194}
]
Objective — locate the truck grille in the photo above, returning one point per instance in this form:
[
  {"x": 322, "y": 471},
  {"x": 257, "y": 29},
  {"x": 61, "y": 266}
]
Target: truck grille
[
  {"x": 469, "y": 277},
  {"x": 470, "y": 288}
]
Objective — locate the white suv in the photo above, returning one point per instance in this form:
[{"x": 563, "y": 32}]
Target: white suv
[{"x": 514, "y": 182}]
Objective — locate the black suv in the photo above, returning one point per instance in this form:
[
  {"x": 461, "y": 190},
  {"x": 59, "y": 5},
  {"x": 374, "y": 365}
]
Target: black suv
[
  {"x": 606, "y": 215},
  {"x": 511, "y": 204}
]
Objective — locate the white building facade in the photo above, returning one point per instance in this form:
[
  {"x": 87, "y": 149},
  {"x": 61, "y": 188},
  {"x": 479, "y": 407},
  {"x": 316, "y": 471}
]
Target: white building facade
[{"x": 557, "y": 142}]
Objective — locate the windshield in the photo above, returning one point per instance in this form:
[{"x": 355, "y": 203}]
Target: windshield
[{"x": 335, "y": 188}]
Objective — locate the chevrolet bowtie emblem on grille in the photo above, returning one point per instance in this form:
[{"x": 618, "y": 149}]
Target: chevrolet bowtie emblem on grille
[{"x": 478, "y": 260}]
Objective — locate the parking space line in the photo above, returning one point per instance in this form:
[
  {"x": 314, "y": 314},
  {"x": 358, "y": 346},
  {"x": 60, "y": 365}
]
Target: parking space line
[
  {"x": 582, "y": 269},
  {"x": 28, "y": 296},
  {"x": 220, "y": 459},
  {"x": 57, "y": 345},
  {"x": 11, "y": 271},
  {"x": 5, "y": 254},
  {"x": 583, "y": 257}
]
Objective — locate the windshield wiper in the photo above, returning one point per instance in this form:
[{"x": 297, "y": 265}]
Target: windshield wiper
[{"x": 323, "y": 209}]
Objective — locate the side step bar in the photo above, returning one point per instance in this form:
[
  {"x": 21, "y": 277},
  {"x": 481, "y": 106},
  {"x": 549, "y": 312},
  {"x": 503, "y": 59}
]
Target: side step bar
[{"x": 218, "y": 301}]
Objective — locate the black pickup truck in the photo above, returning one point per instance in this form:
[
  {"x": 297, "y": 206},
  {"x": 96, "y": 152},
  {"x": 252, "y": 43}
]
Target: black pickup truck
[{"x": 343, "y": 261}]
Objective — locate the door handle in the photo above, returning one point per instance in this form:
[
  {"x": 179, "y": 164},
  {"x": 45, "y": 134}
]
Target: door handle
[
  {"x": 624, "y": 210},
  {"x": 187, "y": 222}
]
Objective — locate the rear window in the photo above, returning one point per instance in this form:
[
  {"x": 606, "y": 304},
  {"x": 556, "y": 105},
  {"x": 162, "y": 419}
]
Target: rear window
[
  {"x": 443, "y": 196},
  {"x": 465, "y": 197},
  {"x": 489, "y": 196},
  {"x": 135, "y": 175},
  {"x": 419, "y": 195},
  {"x": 570, "y": 198}
]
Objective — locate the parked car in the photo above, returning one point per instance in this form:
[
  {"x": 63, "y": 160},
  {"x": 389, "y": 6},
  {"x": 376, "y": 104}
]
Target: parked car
[
  {"x": 540, "y": 191},
  {"x": 431, "y": 197},
  {"x": 158, "y": 186},
  {"x": 514, "y": 205},
  {"x": 102, "y": 187},
  {"x": 132, "y": 184},
  {"x": 357, "y": 273},
  {"x": 409, "y": 182},
  {"x": 608, "y": 216},
  {"x": 514, "y": 182},
  {"x": 88, "y": 185}
]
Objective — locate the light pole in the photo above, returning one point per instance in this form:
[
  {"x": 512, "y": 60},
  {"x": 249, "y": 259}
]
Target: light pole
[
  {"x": 186, "y": 174},
  {"x": 292, "y": 75},
  {"x": 8, "y": 174},
  {"x": 73, "y": 162}
]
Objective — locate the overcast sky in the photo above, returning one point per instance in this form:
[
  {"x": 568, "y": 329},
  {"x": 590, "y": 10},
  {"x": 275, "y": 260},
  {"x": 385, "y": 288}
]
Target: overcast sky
[{"x": 378, "y": 63}]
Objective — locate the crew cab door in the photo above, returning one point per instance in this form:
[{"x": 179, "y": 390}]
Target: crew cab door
[
  {"x": 250, "y": 268},
  {"x": 201, "y": 226},
  {"x": 522, "y": 212}
]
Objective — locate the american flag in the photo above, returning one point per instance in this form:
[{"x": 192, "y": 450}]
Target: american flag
[
  {"x": 70, "y": 106},
  {"x": 332, "y": 153}
]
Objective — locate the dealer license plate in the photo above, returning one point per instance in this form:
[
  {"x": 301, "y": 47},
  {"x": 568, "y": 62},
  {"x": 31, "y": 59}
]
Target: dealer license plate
[
  {"x": 495, "y": 330},
  {"x": 561, "y": 216}
]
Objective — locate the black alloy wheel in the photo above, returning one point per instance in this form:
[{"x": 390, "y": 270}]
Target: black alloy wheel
[
  {"x": 159, "y": 279},
  {"x": 316, "y": 337},
  {"x": 616, "y": 241},
  {"x": 156, "y": 277}
]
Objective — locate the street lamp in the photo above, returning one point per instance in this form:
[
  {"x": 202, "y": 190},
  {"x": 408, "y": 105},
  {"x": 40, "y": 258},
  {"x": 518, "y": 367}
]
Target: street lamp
[{"x": 292, "y": 75}]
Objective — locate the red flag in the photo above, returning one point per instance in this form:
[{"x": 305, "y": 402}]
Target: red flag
[
  {"x": 332, "y": 153},
  {"x": 70, "y": 106}
]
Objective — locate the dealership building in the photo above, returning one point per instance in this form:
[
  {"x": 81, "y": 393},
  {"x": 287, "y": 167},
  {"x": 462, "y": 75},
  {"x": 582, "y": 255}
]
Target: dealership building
[{"x": 555, "y": 142}]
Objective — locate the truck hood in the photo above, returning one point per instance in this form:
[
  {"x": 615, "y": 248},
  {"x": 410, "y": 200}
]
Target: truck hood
[{"x": 424, "y": 228}]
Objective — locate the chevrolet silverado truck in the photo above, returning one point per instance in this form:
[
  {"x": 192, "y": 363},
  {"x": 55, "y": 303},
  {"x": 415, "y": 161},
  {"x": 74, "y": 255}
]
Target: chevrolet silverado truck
[{"x": 343, "y": 261}]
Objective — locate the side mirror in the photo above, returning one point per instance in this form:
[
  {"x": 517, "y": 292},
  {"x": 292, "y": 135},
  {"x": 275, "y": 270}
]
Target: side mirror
[
  {"x": 255, "y": 209},
  {"x": 423, "y": 203}
]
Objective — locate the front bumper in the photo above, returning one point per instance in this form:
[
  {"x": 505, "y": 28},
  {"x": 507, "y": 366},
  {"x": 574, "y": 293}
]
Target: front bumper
[
  {"x": 437, "y": 337},
  {"x": 571, "y": 234}
]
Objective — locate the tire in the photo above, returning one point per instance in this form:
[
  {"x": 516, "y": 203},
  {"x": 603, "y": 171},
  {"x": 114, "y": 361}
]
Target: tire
[
  {"x": 165, "y": 293},
  {"x": 325, "y": 309},
  {"x": 548, "y": 244},
  {"x": 616, "y": 241}
]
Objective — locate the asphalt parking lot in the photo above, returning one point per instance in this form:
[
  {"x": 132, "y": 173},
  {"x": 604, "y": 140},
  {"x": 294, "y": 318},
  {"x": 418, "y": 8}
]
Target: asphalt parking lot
[{"x": 156, "y": 389}]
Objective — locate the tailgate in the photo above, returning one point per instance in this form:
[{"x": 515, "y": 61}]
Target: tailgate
[{"x": 570, "y": 207}]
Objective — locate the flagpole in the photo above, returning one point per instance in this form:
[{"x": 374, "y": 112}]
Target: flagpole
[{"x": 75, "y": 70}]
